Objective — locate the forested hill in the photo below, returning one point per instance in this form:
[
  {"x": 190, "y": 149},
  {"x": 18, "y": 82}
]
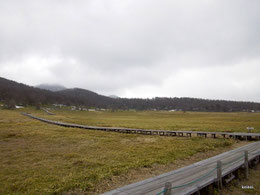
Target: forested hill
[{"x": 13, "y": 93}]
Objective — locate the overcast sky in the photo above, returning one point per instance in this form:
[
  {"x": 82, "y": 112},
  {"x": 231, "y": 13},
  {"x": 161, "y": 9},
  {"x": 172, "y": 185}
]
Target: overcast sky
[{"x": 135, "y": 48}]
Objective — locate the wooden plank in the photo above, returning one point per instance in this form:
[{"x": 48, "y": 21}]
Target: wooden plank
[{"x": 191, "y": 173}]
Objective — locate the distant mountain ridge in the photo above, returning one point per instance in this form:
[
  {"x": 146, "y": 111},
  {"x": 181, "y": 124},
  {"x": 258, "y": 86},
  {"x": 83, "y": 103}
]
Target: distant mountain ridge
[
  {"x": 51, "y": 87},
  {"x": 27, "y": 95},
  {"x": 18, "y": 93}
]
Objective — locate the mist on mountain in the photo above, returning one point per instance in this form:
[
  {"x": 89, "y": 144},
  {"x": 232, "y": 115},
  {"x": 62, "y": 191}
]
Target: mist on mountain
[{"x": 51, "y": 87}]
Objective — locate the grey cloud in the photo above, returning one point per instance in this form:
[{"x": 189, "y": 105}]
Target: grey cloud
[{"x": 117, "y": 46}]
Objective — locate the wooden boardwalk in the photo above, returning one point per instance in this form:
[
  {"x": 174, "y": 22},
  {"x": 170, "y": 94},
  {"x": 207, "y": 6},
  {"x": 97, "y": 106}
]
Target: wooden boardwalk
[
  {"x": 235, "y": 135},
  {"x": 193, "y": 178},
  {"x": 186, "y": 180},
  {"x": 47, "y": 111}
]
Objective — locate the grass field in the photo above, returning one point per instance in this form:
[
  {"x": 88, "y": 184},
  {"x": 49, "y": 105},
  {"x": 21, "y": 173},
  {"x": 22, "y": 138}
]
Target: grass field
[
  {"x": 201, "y": 121},
  {"x": 37, "y": 158}
]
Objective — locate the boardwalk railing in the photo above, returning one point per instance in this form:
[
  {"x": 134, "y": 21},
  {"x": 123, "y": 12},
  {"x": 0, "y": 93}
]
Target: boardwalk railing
[
  {"x": 198, "y": 176},
  {"x": 235, "y": 135}
]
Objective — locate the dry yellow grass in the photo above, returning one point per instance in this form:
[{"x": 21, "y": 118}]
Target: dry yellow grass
[
  {"x": 202, "y": 121},
  {"x": 38, "y": 158}
]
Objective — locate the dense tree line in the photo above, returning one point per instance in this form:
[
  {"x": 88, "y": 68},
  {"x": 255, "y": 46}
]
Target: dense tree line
[
  {"x": 187, "y": 104},
  {"x": 13, "y": 93}
]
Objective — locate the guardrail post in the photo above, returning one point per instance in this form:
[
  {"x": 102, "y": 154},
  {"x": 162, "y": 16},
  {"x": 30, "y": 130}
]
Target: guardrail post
[
  {"x": 168, "y": 188},
  {"x": 219, "y": 174},
  {"x": 246, "y": 164},
  {"x": 198, "y": 190}
]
